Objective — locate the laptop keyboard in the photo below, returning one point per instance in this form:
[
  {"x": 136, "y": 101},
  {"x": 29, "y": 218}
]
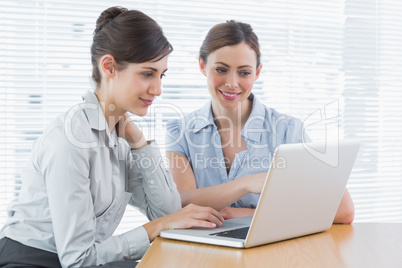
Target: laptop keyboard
[{"x": 240, "y": 233}]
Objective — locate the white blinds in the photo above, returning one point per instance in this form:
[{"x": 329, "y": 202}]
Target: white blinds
[{"x": 323, "y": 61}]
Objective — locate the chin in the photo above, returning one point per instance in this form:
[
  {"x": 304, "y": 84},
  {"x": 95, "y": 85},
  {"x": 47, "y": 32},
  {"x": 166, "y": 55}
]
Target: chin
[
  {"x": 230, "y": 104},
  {"x": 140, "y": 112}
]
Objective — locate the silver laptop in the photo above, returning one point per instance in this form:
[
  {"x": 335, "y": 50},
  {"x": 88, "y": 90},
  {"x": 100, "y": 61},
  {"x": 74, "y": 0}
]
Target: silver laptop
[{"x": 301, "y": 196}]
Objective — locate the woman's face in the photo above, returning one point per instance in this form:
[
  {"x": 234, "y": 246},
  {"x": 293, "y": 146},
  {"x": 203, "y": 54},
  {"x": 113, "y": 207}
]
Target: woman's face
[
  {"x": 231, "y": 72},
  {"x": 136, "y": 86}
]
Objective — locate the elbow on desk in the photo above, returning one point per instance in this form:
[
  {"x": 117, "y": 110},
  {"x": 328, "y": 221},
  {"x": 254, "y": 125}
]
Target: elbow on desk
[
  {"x": 346, "y": 216},
  {"x": 349, "y": 217}
]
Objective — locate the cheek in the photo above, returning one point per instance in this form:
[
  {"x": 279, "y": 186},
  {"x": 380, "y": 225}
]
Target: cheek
[
  {"x": 135, "y": 88},
  {"x": 247, "y": 84},
  {"x": 215, "y": 80}
]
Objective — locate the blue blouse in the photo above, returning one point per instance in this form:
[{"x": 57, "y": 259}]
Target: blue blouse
[{"x": 196, "y": 136}]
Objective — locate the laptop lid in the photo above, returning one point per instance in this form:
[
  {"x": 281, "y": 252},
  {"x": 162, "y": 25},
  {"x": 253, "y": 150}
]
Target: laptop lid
[{"x": 303, "y": 190}]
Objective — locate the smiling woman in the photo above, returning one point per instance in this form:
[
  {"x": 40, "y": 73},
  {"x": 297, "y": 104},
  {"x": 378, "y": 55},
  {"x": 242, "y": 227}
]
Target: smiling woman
[
  {"x": 238, "y": 129},
  {"x": 230, "y": 80},
  {"x": 131, "y": 89},
  {"x": 84, "y": 168}
]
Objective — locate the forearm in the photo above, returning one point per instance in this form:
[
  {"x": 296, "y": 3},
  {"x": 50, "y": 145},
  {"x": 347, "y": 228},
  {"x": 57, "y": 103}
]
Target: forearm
[
  {"x": 153, "y": 188},
  {"x": 230, "y": 212},
  {"x": 218, "y": 196}
]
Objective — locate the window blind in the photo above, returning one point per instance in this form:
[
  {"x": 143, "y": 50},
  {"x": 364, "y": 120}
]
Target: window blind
[{"x": 334, "y": 64}]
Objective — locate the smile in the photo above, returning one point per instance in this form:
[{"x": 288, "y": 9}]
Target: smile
[
  {"x": 147, "y": 102},
  {"x": 229, "y": 96}
]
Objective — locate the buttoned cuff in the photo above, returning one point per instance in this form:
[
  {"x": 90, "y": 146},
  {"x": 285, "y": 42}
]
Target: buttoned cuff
[{"x": 138, "y": 242}]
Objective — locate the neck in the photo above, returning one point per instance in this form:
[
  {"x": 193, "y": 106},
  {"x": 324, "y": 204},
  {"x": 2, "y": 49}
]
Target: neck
[
  {"x": 110, "y": 111},
  {"x": 232, "y": 117}
]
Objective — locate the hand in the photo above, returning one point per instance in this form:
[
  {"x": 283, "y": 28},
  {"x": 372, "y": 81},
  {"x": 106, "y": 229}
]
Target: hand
[
  {"x": 255, "y": 182},
  {"x": 193, "y": 216},
  {"x": 230, "y": 213},
  {"x": 129, "y": 131},
  {"x": 187, "y": 217}
]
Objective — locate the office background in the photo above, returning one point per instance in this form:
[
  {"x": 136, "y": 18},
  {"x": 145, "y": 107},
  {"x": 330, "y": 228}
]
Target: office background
[{"x": 335, "y": 64}]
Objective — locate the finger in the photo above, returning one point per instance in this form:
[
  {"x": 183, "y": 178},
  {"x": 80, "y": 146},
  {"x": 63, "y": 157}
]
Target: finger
[
  {"x": 227, "y": 216},
  {"x": 204, "y": 224},
  {"x": 209, "y": 217},
  {"x": 218, "y": 215},
  {"x": 211, "y": 211},
  {"x": 227, "y": 213}
]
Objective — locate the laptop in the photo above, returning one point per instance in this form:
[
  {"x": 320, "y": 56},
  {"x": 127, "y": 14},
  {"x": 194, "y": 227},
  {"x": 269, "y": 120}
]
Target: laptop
[{"x": 301, "y": 195}]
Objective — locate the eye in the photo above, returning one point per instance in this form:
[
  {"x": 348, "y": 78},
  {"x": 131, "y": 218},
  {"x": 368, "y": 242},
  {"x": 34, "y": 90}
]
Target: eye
[
  {"x": 147, "y": 74},
  {"x": 163, "y": 75},
  {"x": 244, "y": 73},
  {"x": 220, "y": 70}
]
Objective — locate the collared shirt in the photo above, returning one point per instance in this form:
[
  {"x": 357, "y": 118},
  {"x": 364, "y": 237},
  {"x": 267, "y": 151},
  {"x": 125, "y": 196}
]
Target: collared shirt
[
  {"x": 196, "y": 136},
  {"x": 76, "y": 185}
]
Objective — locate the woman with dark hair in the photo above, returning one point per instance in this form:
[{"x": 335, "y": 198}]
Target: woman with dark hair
[
  {"x": 93, "y": 160},
  {"x": 220, "y": 154}
]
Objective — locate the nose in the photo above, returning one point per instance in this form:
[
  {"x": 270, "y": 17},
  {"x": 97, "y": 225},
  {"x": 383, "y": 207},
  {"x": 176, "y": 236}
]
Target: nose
[
  {"x": 156, "y": 88},
  {"x": 232, "y": 81}
]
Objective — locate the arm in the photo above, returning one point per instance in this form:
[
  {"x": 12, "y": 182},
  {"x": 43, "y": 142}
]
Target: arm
[
  {"x": 346, "y": 209},
  {"x": 155, "y": 194},
  {"x": 153, "y": 190},
  {"x": 218, "y": 196}
]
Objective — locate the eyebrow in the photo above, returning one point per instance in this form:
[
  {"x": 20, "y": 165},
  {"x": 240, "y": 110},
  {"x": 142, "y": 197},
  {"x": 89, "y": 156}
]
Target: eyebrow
[
  {"x": 153, "y": 69},
  {"x": 242, "y": 66}
]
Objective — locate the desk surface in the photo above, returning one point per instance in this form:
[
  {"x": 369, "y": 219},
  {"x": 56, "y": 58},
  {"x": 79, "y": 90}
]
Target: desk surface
[{"x": 356, "y": 245}]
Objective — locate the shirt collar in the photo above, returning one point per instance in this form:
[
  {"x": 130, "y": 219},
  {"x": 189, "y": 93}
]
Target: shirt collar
[
  {"x": 96, "y": 117},
  {"x": 204, "y": 117},
  {"x": 253, "y": 128},
  {"x": 94, "y": 112}
]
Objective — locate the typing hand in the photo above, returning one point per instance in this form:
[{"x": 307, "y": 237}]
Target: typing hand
[
  {"x": 194, "y": 216},
  {"x": 187, "y": 217}
]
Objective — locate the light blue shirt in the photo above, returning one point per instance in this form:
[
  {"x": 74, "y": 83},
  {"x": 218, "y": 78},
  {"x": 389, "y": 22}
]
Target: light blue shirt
[
  {"x": 75, "y": 188},
  {"x": 196, "y": 137}
]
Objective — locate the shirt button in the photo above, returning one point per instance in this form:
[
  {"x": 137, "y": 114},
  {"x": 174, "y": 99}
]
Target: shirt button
[{"x": 152, "y": 182}]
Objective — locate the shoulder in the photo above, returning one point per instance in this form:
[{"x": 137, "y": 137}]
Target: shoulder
[
  {"x": 283, "y": 118},
  {"x": 283, "y": 125},
  {"x": 69, "y": 130},
  {"x": 272, "y": 117},
  {"x": 189, "y": 121}
]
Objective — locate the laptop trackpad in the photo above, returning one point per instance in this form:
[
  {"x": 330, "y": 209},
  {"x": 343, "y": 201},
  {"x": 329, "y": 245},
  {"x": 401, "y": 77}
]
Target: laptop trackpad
[{"x": 228, "y": 224}]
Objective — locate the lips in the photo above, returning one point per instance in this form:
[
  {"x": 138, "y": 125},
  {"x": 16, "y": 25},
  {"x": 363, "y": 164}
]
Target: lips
[
  {"x": 229, "y": 95},
  {"x": 147, "y": 102}
]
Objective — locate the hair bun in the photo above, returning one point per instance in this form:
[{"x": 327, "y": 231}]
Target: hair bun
[{"x": 108, "y": 15}]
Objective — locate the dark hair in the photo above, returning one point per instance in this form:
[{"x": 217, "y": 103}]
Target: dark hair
[
  {"x": 129, "y": 36},
  {"x": 229, "y": 33}
]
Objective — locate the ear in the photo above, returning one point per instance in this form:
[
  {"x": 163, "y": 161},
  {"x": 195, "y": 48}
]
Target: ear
[
  {"x": 258, "y": 71},
  {"x": 202, "y": 66},
  {"x": 107, "y": 64}
]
